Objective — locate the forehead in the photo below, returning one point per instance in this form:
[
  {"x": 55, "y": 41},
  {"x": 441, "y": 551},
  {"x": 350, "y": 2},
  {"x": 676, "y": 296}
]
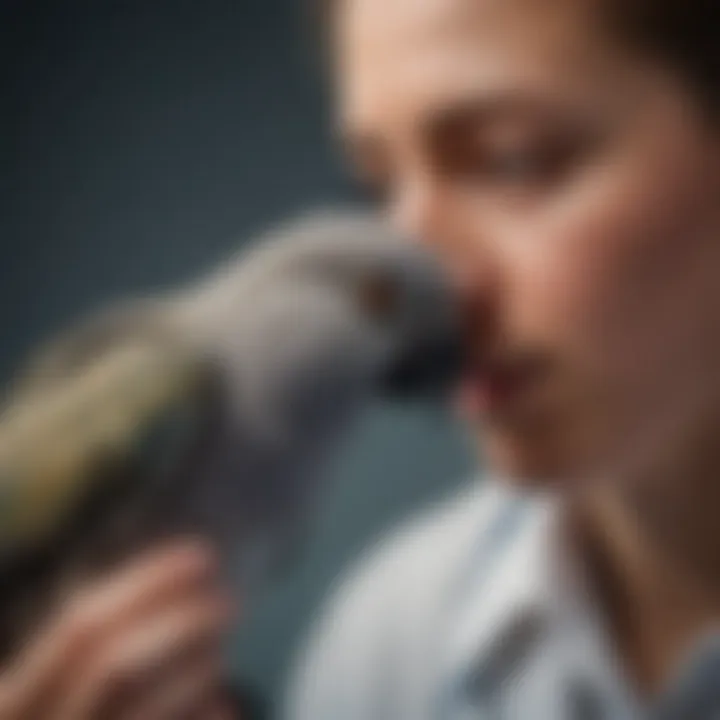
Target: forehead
[{"x": 399, "y": 58}]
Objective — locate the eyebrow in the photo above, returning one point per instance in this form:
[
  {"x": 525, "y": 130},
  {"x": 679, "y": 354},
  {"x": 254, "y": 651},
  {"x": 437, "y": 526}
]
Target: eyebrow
[
  {"x": 455, "y": 114},
  {"x": 489, "y": 109}
]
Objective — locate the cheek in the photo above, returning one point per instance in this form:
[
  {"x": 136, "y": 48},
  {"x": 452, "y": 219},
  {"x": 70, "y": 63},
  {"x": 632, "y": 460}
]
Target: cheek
[
  {"x": 619, "y": 272},
  {"x": 621, "y": 290}
]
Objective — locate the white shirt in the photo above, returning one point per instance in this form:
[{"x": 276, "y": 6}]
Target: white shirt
[{"x": 471, "y": 612}]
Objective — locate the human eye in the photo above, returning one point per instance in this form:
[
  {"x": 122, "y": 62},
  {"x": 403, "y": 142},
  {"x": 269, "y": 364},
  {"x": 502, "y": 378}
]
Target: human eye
[
  {"x": 535, "y": 164},
  {"x": 515, "y": 159}
]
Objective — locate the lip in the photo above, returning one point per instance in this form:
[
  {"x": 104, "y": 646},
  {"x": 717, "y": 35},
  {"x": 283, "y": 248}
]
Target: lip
[{"x": 493, "y": 389}]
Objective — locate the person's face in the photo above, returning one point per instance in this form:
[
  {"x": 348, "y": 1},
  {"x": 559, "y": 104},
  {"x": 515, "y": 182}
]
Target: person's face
[{"x": 574, "y": 189}]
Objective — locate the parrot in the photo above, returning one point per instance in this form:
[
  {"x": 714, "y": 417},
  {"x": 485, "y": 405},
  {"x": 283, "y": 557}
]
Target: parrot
[{"x": 213, "y": 408}]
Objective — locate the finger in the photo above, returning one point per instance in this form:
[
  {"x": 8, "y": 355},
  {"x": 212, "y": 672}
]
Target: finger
[
  {"x": 216, "y": 711},
  {"x": 10, "y": 707},
  {"x": 219, "y": 709},
  {"x": 186, "y": 696},
  {"x": 146, "y": 583},
  {"x": 131, "y": 664},
  {"x": 52, "y": 659}
]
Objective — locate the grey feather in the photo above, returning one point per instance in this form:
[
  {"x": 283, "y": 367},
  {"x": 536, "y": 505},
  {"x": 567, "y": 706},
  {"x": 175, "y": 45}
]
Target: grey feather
[{"x": 272, "y": 357}]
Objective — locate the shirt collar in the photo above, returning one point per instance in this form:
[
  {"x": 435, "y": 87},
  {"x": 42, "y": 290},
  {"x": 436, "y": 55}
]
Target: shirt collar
[
  {"x": 524, "y": 591},
  {"x": 523, "y": 581},
  {"x": 512, "y": 592}
]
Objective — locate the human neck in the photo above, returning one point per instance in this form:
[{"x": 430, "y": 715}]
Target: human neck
[{"x": 654, "y": 563}]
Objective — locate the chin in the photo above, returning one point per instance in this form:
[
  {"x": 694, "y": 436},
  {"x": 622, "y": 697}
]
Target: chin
[{"x": 525, "y": 462}]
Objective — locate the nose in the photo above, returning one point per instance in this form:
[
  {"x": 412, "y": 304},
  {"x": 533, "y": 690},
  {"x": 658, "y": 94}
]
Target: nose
[
  {"x": 430, "y": 211},
  {"x": 421, "y": 208}
]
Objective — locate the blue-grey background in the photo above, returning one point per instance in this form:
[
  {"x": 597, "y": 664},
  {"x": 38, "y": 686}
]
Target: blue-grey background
[{"x": 140, "y": 141}]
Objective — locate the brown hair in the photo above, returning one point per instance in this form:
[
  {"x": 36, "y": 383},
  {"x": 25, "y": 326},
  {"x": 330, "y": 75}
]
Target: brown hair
[{"x": 682, "y": 34}]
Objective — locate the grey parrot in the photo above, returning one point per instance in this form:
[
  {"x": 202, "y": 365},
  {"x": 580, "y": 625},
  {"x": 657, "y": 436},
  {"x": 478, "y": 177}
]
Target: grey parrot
[{"x": 212, "y": 409}]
